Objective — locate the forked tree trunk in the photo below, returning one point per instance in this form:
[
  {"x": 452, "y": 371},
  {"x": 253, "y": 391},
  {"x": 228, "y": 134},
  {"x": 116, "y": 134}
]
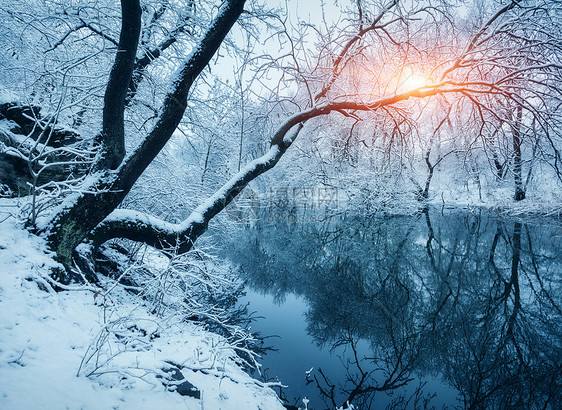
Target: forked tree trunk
[{"x": 114, "y": 176}]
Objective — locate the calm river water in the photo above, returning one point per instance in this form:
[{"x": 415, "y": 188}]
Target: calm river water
[{"x": 453, "y": 309}]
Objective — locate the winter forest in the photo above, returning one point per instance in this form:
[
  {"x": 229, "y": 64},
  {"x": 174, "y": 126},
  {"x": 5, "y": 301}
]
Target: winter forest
[{"x": 268, "y": 204}]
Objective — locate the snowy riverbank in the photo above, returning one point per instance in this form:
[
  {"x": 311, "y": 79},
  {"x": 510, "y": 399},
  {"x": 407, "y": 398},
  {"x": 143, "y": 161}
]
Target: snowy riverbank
[{"x": 73, "y": 350}]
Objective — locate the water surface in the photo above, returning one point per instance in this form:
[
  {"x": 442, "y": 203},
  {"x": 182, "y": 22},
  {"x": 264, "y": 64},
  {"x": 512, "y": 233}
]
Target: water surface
[{"x": 453, "y": 309}]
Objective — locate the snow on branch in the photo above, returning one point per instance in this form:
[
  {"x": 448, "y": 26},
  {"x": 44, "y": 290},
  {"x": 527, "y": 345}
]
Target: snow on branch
[{"x": 153, "y": 231}]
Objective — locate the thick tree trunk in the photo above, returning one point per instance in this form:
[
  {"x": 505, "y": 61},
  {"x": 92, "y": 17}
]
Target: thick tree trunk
[
  {"x": 180, "y": 237},
  {"x": 112, "y": 139},
  {"x": 109, "y": 187}
]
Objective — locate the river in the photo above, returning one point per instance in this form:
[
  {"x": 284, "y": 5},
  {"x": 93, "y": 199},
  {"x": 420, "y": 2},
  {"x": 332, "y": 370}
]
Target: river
[{"x": 443, "y": 309}]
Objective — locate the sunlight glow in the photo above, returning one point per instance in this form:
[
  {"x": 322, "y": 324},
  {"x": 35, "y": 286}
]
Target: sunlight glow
[{"x": 411, "y": 81}]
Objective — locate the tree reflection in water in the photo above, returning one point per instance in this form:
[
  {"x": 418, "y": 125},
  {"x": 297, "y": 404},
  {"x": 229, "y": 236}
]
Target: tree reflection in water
[{"x": 471, "y": 298}]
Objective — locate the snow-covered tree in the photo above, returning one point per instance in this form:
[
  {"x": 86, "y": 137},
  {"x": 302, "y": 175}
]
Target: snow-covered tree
[{"x": 384, "y": 62}]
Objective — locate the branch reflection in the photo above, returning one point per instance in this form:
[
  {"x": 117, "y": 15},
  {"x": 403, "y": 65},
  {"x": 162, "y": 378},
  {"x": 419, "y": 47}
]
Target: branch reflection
[{"x": 469, "y": 299}]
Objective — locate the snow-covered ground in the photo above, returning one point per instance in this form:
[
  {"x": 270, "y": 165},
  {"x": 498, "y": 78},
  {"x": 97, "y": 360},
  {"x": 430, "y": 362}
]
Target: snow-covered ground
[
  {"x": 546, "y": 201},
  {"x": 77, "y": 350}
]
